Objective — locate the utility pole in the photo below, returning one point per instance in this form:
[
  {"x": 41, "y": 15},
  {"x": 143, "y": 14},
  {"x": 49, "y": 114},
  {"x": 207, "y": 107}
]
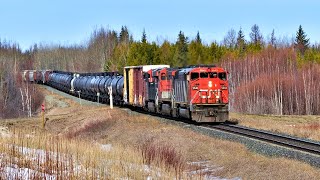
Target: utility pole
[
  {"x": 111, "y": 98},
  {"x": 79, "y": 97},
  {"x": 42, "y": 115},
  {"x": 98, "y": 95}
]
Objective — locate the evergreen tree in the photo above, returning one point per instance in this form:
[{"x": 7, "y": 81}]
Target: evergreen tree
[
  {"x": 166, "y": 53},
  {"x": 181, "y": 53},
  {"x": 124, "y": 35},
  {"x": 195, "y": 51},
  {"x": 241, "y": 42},
  {"x": 215, "y": 53},
  {"x": 273, "y": 39},
  {"x": 135, "y": 55},
  {"x": 301, "y": 42},
  {"x": 144, "y": 37},
  {"x": 198, "y": 39}
]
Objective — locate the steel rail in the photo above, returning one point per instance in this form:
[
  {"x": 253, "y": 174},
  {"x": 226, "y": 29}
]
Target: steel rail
[{"x": 274, "y": 138}]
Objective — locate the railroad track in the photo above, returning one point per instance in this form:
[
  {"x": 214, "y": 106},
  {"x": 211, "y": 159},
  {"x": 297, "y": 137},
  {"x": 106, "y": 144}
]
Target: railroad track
[
  {"x": 274, "y": 138},
  {"x": 266, "y": 136}
]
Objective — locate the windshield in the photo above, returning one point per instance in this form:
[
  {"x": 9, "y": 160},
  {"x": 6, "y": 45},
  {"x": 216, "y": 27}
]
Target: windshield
[
  {"x": 203, "y": 75},
  {"x": 194, "y": 75},
  {"x": 213, "y": 74},
  {"x": 223, "y": 76}
]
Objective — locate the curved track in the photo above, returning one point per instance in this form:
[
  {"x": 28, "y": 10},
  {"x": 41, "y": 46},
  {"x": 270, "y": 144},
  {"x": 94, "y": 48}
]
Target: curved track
[
  {"x": 274, "y": 138},
  {"x": 266, "y": 136}
]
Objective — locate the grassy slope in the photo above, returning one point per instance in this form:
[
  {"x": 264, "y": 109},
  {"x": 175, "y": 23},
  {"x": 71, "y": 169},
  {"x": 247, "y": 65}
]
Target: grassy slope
[{"x": 128, "y": 132}]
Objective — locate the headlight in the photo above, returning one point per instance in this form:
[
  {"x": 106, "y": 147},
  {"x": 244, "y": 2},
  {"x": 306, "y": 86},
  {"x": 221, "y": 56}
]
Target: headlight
[{"x": 210, "y": 84}]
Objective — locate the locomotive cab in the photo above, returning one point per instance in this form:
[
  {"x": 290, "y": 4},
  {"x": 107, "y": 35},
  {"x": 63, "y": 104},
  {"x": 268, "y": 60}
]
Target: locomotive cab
[
  {"x": 208, "y": 94},
  {"x": 202, "y": 94},
  {"x": 165, "y": 83}
]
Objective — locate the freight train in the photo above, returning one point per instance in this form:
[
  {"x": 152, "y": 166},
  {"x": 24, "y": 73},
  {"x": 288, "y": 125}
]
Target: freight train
[{"x": 198, "y": 93}]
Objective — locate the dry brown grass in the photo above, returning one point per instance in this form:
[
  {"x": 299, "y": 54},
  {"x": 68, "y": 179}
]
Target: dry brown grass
[
  {"x": 301, "y": 126},
  {"x": 44, "y": 155},
  {"x": 142, "y": 140}
]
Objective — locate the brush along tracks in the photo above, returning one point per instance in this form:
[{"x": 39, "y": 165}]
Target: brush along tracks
[{"x": 274, "y": 138}]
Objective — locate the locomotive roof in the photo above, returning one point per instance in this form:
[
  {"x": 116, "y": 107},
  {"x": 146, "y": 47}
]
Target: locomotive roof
[{"x": 188, "y": 69}]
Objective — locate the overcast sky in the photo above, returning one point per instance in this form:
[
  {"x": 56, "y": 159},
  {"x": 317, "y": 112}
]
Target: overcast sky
[{"x": 72, "y": 21}]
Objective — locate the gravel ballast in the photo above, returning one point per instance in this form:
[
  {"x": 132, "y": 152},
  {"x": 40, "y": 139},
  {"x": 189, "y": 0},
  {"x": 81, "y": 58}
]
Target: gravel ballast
[{"x": 253, "y": 145}]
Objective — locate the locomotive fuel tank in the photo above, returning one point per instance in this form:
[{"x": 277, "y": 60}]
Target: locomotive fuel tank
[
  {"x": 151, "y": 107},
  {"x": 184, "y": 113},
  {"x": 166, "y": 109}
]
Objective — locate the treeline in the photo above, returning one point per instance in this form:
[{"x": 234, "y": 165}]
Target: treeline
[
  {"x": 274, "y": 82},
  {"x": 110, "y": 50},
  {"x": 268, "y": 74},
  {"x": 17, "y": 99}
]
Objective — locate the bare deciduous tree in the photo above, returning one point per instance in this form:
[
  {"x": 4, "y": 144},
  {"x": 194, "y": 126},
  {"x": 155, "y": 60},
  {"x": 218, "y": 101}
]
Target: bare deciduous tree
[{"x": 230, "y": 40}]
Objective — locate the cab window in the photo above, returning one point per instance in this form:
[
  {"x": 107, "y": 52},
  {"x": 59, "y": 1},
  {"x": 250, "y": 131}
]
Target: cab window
[
  {"x": 146, "y": 75},
  {"x": 204, "y": 75},
  {"x": 213, "y": 74},
  {"x": 223, "y": 76},
  {"x": 194, "y": 75}
]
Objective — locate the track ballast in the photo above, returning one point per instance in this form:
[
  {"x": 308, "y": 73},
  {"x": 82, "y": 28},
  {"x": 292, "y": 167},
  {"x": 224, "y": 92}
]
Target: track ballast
[{"x": 274, "y": 138}]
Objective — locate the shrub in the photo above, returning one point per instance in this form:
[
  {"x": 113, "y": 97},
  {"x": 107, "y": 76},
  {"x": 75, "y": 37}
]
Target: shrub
[{"x": 162, "y": 154}]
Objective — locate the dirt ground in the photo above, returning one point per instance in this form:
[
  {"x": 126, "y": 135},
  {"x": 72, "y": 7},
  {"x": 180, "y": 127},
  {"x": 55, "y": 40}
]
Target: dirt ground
[{"x": 93, "y": 122}]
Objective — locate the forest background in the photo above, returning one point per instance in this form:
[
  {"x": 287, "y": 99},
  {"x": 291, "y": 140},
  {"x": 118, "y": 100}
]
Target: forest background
[{"x": 267, "y": 74}]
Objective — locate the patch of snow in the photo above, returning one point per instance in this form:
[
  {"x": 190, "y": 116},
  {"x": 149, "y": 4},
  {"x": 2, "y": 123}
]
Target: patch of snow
[
  {"x": 106, "y": 147},
  {"x": 37, "y": 156},
  {"x": 210, "y": 177},
  {"x": 29, "y": 136},
  {"x": 207, "y": 169},
  {"x": 4, "y": 132},
  {"x": 12, "y": 173}
]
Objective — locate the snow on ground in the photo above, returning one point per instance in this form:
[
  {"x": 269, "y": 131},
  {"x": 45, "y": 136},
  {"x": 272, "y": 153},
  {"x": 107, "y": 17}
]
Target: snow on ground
[
  {"x": 106, "y": 147},
  {"x": 37, "y": 157},
  {"x": 12, "y": 173},
  {"x": 4, "y": 132},
  {"x": 206, "y": 169}
]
